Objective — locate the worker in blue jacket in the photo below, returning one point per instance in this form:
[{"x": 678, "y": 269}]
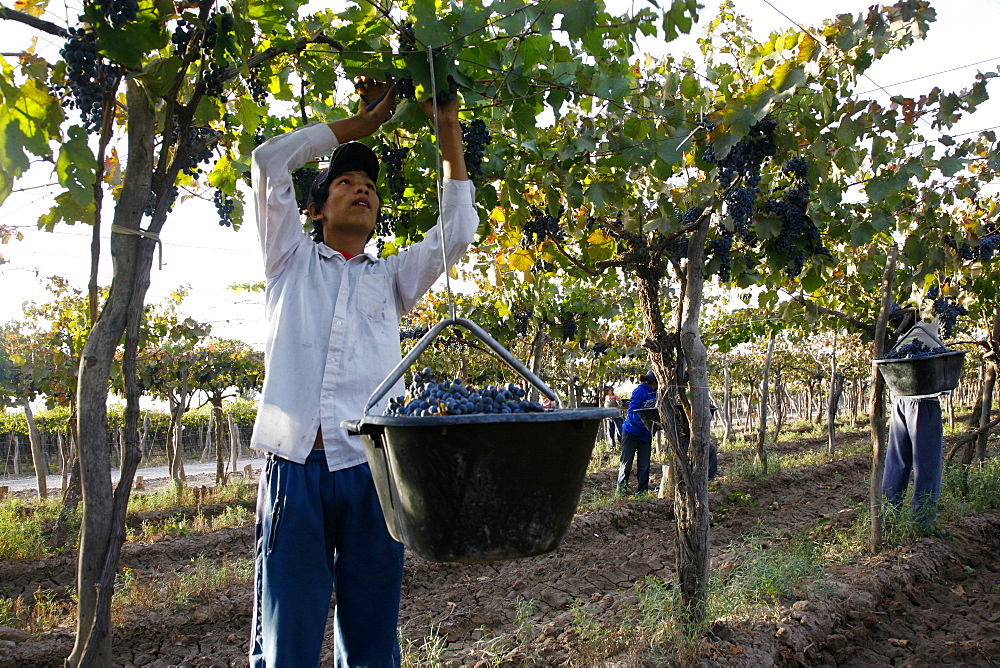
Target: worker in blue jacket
[{"x": 636, "y": 440}]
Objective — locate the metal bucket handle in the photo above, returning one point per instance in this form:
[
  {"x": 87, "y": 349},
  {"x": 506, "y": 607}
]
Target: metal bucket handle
[{"x": 483, "y": 336}]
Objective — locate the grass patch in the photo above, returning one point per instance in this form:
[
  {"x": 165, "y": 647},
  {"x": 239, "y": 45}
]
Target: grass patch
[
  {"x": 975, "y": 488},
  {"x": 765, "y": 571},
  {"x": 177, "y": 589},
  {"x": 22, "y": 523},
  {"x": 427, "y": 653},
  {"x": 39, "y": 613},
  {"x": 172, "y": 496}
]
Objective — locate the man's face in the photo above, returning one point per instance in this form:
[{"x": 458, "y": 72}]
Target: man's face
[{"x": 351, "y": 203}]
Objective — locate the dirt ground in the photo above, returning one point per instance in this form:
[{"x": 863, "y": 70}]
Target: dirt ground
[{"x": 935, "y": 601}]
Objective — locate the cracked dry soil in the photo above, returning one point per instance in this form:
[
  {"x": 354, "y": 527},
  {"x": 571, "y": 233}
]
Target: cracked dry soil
[{"x": 936, "y": 601}]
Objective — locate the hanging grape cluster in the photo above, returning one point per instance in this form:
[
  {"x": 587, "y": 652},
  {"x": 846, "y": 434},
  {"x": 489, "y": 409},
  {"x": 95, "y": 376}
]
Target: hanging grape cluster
[
  {"x": 224, "y": 206},
  {"x": 389, "y": 225},
  {"x": 425, "y": 398},
  {"x": 522, "y": 320},
  {"x": 947, "y": 311},
  {"x": 476, "y": 137},
  {"x": 983, "y": 251},
  {"x": 542, "y": 226},
  {"x": 302, "y": 180},
  {"x": 407, "y": 44},
  {"x": 181, "y": 37},
  {"x": 206, "y": 137},
  {"x": 569, "y": 326},
  {"x": 219, "y": 23},
  {"x": 744, "y": 160},
  {"x": 405, "y": 89},
  {"x": 739, "y": 176},
  {"x": 257, "y": 90},
  {"x": 90, "y": 80},
  {"x": 392, "y": 165},
  {"x": 119, "y": 12},
  {"x": 799, "y": 236},
  {"x": 151, "y": 201}
]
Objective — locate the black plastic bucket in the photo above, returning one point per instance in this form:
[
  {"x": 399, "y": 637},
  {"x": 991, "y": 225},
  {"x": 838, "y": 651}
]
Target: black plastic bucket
[
  {"x": 469, "y": 488},
  {"x": 922, "y": 375}
]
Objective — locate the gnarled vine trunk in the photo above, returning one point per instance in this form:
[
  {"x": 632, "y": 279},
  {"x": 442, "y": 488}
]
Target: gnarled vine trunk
[
  {"x": 877, "y": 404},
  {"x": 100, "y": 542}
]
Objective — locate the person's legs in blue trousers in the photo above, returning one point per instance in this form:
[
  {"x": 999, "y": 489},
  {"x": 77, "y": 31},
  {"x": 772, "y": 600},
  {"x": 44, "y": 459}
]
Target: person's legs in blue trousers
[
  {"x": 899, "y": 453},
  {"x": 927, "y": 461},
  {"x": 629, "y": 445},
  {"x": 644, "y": 452},
  {"x": 916, "y": 442},
  {"x": 317, "y": 530}
]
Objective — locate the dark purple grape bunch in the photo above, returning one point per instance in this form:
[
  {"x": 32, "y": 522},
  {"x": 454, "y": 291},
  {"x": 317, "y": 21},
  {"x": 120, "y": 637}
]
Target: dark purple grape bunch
[
  {"x": 205, "y": 137},
  {"x": 89, "y": 79},
  {"x": 476, "y": 137},
  {"x": 257, "y": 90},
  {"x": 542, "y": 226},
  {"x": 947, "y": 310},
  {"x": 213, "y": 72},
  {"x": 568, "y": 323},
  {"x": 224, "y": 206},
  {"x": 392, "y": 161},
  {"x": 181, "y": 37},
  {"x": 799, "y": 237},
  {"x": 405, "y": 89},
  {"x": 119, "y": 12},
  {"x": 302, "y": 180},
  {"x": 415, "y": 333}
]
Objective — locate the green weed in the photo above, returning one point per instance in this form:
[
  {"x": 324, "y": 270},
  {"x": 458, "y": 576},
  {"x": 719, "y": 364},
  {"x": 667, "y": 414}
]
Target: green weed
[
  {"x": 160, "y": 591},
  {"x": 427, "y": 653},
  {"x": 524, "y": 611},
  {"x": 766, "y": 570},
  {"x": 10, "y": 612},
  {"x": 21, "y": 525}
]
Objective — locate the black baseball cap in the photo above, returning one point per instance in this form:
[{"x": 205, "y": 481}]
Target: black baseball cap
[{"x": 350, "y": 157}]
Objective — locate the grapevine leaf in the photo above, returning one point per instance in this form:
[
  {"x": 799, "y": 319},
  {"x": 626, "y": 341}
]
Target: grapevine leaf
[
  {"x": 877, "y": 189},
  {"x": 159, "y": 75},
  {"x": 767, "y": 226},
  {"x": 788, "y": 75},
  {"x": 76, "y": 167},
  {"x": 429, "y": 29},
  {"x": 578, "y": 19},
  {"x": 600, "y": 192},
  {"x": 951, "y": 166},
  {"x": 67, "y": 210},
  {"x": 272, "y": 17}
]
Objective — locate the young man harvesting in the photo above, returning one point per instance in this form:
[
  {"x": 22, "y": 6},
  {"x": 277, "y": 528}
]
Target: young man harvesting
[{"x": 333, "y": 335}]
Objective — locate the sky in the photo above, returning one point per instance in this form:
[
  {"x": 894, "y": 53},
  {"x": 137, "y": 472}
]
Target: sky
[{"x": 208, "y": 258}]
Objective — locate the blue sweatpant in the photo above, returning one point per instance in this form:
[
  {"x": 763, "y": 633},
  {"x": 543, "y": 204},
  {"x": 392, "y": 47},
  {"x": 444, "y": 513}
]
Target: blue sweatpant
[
  {"x": 320, "y": 532},
  {"x": 916, "y": 443}
]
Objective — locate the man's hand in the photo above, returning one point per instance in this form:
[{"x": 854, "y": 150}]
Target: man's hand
[
  {"x": 446, "y": 111},
  {"x": 449, "y": 139},
  {"x": 377, "y": 101}
]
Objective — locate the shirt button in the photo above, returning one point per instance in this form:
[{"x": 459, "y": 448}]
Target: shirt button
[{"x": 339, "y": 323}]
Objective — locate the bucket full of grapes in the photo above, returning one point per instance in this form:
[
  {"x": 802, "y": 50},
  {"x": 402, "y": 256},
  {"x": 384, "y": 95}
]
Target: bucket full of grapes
[
  {"x": 916, "y": 369},
  {"x": 476, "y": 474}
]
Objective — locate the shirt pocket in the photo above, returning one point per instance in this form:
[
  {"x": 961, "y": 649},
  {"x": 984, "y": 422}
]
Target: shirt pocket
[{"x": 373, "y": 298}]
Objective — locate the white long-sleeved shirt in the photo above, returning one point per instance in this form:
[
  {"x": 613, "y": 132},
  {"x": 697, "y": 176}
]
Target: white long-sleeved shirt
[{"x": 332, "y": 323}]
